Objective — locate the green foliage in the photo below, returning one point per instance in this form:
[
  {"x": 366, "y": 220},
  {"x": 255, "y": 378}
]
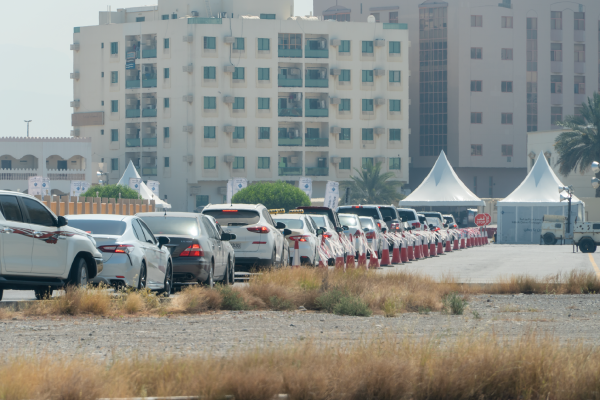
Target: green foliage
[
  {"x": 340, "y": 303},
  {"x": 328, "y": 300},
  {"x": 372, "y": 187},
  {"x": 279, "y": 304},
  {"x": 272, "y": 195},
  {"x": 455, "y": 304},
  {"x": 232, "y": 300},
  {"x": 112, "y": 192}
]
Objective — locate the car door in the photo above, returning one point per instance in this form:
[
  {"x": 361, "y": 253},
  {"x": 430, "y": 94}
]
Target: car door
[
  {"x": 16, "y": 237},
  {"x": 156, "y": 271},
  {"x": 277, "y": 235},
  {"x": 215, "y": 245},
  {"x": 50, "y": 247}
]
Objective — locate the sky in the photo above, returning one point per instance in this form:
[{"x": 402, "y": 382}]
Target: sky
[{"x": 36, "y": 61}]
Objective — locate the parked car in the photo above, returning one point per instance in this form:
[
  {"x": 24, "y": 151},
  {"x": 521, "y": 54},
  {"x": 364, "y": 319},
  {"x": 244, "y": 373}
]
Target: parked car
[
  {"x": 40, "y": 251},
  {"x": 132, "y": 255},
  {"x": 200, "y": 251},
  {"x": 355, "y": 228},
  {"x": 329, "y": 231},
  {"x": 410, "y": 216},
  {"x": 450, "y": 221},
  {"x": 305, "y": 234},
  {"x": 372, "y": 234},
  {"x": 364, "y": 211},
  {"x": 434, "y": 214},
  {"x": 331, "y": 214},
  {"x": 434, "y": 223},
  {"x": 391, "y": 217},
  {"x": 423, "y": 222},
  {"x": 260, "y": 241}
]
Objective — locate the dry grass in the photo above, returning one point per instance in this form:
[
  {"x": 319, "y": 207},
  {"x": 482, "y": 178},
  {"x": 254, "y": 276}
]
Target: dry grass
[{"x": 470, "y": 367}]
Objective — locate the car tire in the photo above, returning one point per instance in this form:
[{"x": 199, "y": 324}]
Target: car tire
[
  {"x": 79, "y": 272},
  {"x": 230, "y": 273},
  {"x": 587, "y": 245},
  {"x": 549, "y": 238},
  {"x": 210, "y": 281},
  {"x": 315, "y": 263},
  {"x": 143, "y": 281},
  {"x": 1, "y": 293},
  {"x": 274, "y": 259},
  {"x": 168, "y": 284},
  {"x": 43, "y": 293}
]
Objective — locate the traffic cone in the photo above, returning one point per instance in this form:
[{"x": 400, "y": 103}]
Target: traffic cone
[
  {"x": 296, "y": 261},
  {"x": 440, "y": 248},
  {"x": 385, "y": 257},
  {"x": 373, "y": 261},
  {"x": 350, "y": 257},
  {"x": 404, "y": 254},
  {"x": 362, "y": 257},
  {"x": 425, "y": 250},
  {"x": 448, "y": 246},
  {"x": 410, "y": 255},
  {"x": 339, "y": 261},
  {"x": 469, "y": 242},
  {"x": 418, "y": 255},
  {"x": 396, "y": 254},
  {"x": 432, "y": 250},
  {"x": 462, "y": 243},
  {"x": 456, "y": 244}
]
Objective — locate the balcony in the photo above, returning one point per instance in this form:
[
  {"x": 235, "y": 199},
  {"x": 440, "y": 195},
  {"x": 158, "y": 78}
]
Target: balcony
[
  {"x": 286, "y": 81},
  {"x": 286, "y": 141},
  {"x": 317, "y": 142},
  {"x": 149, "y": 171},
  {"x": 317, "y": 83},
  {"x": 317, "y": 112},
  {"x": 132, "y": 84},
  {"x": 132, "y": 113},
  {"x": 148, "y": 83},
  {"x": 319, "y": 53},
  {"x": 149, "y": 112},
  {"x": 135, "y": 142},
  {"x": 149, "y": 142},
  {"x": 318, "y": 171},
  {"x": 290, "y": 112},
  {"x": 148, "y": 53},
  {"x": 291, "y": 53},
  {"x": 290, "y": 171}
]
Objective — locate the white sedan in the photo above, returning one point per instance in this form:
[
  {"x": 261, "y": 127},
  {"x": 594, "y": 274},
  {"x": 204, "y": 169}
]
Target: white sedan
[{"x": 304, "y": 233}]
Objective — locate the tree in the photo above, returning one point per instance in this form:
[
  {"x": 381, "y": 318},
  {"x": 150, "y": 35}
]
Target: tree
[
  {"x": 112, "y": 192},
  {"x": 372, "y": 187},
  {"x": 272, "y": 195},
  {"x": 580, "y": 146}
]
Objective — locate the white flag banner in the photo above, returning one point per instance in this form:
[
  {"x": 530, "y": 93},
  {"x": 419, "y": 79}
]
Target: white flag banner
[
  {"x": 332, "y": 194},
  {"x": 35, "y": 185},
  {"x": 79, "y": 187},
  {"x": 239, "y": 184},
  {"x": 154, "y": 187},
  {"x": 305, "y": 185},
  {"x": 229, "y": 190},
  {"x": 135, "y": 184},
  {"x": 46, "y": 187}
]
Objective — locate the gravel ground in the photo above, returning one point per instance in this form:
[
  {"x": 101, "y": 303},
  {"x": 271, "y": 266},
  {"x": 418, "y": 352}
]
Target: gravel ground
[{"x": 568, "y": 317}]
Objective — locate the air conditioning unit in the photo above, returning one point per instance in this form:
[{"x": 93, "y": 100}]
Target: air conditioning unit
[
  {"x": 75, "y": 46},
  {"x": 336, "y": 42},
  {"x": 323, "y": 74},
  {"x": 379, "y": 72},
  {"x": 379, "y": 102},
  {"x": 188, "y": 128},
  {"x": 188, "y": 68},
  {"x": 298, "y": 97},
  {"x": 75, "y": 75},
  {"x": 195, "y": 13},
  {"x": 379, "y": 42},
  {"x": 335, "y": 100},
  {"x": 228, "y": 99},
  {"x": 229, "y": 68},
  {"x": 228, "y": 158},
  {"x": 188, "y": 38},
  {"x": 294, "y": 160},
  {"x": 322, "y": 44},
  {"x": 322, "y": 104},
  {"x": 229, "y": 39},
  {"x": 189, "y": 98},
  {"x": 222, "y": 190},
  {"x": 336, "y": 160},
  {"x": 379, "y": 160},
  {"x": 75, "y": 103},
  {"x": 75, "y": 133},
  {"x": 379, "y": 131},
  {"x": 188, "y": 158},
  {"x": 336, "y": 71},
  {"x": 322, "y": 162},
  {"x": 228, "y": 129},
  {"x": 336, "y": 130}
]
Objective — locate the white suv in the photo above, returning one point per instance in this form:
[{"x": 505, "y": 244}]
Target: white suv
[
  {"x": 39, "y": 251},
  {"x": 259, "y": 240}
]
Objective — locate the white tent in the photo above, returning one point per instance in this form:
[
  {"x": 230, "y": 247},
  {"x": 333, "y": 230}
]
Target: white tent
[
  {"x": 520, "y": 215},
  {"x": 145, "y": 192},
  {"x": 442, "y": 187}
]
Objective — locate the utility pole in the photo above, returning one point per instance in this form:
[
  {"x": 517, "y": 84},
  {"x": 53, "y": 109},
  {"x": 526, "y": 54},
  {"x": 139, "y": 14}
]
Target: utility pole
[{"x": 28, "y": 126}]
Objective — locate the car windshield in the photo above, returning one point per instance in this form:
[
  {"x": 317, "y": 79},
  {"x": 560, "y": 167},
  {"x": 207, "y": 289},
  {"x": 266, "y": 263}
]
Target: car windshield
[
  {"x": 99, "y": 227},
  {"x": 234, "y": 217},
  {"x": 319, "y": 220},
  {"x": 291, "y": 223},
  {"x": 433, "y": 221},
  {"x": 367, "y": 223},
  {"x": 348, "y": 220},
  {"x": 387, "y": 212},
  {"x": 172, "y": 225},
  {"x": 361, "y": 212},
  {"x": 406, "y": 215}
]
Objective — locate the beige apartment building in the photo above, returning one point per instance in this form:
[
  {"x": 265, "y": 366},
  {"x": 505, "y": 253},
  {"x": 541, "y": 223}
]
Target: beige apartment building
[{"x": 198, "y": 92}]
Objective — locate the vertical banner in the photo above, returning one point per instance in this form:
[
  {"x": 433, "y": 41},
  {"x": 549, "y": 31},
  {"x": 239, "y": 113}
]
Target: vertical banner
[
  {"x": 35, "y": 185},
  {"x": 79, "y": 187},
  {"x": 154, "y": 187},
  {"x": 46, "y": 187},
  {"x": 229, "y": 190},
  {"x": 239, "y": 184},
  {"x": 332, "y": 194},
  {"x": 135, "y": 184},
  {"x": 306, "y": 186}
]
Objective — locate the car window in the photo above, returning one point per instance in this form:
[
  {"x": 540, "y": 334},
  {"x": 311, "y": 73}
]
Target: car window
[
  {"x": 234, "y": 217},
  {"x": 98, "y": 226},
  {"x": 361, "y": 211},
  {"x": 38, "y": 214},
  {"x": 291, "y": 223},
  {"x": 348, "y": 220},
  {"x": 147, "y": 232},
  {"x": 219, "y": 229},
  {"x": 9, "y": 207},
  {"x": 309, "y": 225},
  {"x": 313, "y": 223},
  {"x": 367, "y": 223},
  {"x": 267, "y": 216},
  {"x": 172, "y": 225},
  {"x": 209, "y": 228},
  {"x": 407, "y": 215},
  {"x": 387, "y": 212},
  {"x": 320, "y": 221},
  {"x": 137, "y": 230}
]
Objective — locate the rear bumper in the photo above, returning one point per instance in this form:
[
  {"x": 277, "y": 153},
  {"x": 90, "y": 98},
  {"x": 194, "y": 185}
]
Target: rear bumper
[{"x": 190, "y": 270}]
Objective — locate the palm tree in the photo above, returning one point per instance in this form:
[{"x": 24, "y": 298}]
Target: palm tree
[
  {"x": 579, "y": 147},
  {"x": 373, "y": 187}
]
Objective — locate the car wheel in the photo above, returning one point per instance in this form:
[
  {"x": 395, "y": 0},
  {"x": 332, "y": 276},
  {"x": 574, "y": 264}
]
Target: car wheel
[
  {"x": 79, "y": 272},
  {"x": 587, "y": 246},
  {"x": 549, "y": 238},
  {"x": 1, "y": 293},
  {"x": 142, "y": 282},
  {"x": 43, "y": 293},
  {"x": 168, "y": 284},
  {"x": 274, "y": 259},
  {"x": 230, "y": 273},
  {"x": 210, "y": 281}
]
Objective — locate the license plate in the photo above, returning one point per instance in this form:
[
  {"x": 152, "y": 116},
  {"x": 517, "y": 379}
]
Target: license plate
[{"x": 236, "y": 245}]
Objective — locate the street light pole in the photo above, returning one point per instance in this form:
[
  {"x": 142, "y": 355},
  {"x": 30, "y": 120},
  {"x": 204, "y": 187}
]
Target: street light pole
[{"x": 28, "y": 126}]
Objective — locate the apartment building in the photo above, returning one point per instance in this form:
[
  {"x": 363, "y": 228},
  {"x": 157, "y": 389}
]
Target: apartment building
[
  {"x": 489, "y": 71},
  {"x": 197, "y": 92}
]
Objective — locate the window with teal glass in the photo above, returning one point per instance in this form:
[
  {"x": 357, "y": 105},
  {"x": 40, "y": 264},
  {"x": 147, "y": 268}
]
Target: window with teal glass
[
  {"x": 345, "y": 163},
  {"x": 167, "y": 162},
  {"x": 239, "y": 162},
  {"x": 210, "y": 162},
  {"x": 165, "y": 16},
  {"x": 367, "y": 75},
  {"x": 209, "y": 132},
  {"x": 367, "y": 46},
  {"x": 345, "y": 75},
  {"x": 264, "y": 162},
  {"x": 210, "y": 73},
  {"x": 166, "y": 132},
  {"x": 264, "y": 132},
  {"x": 394, "y": 76},
  {"x": 114, "y": 77},
  {"x": 264, "y": 74},
  {"x": 239, "y": 132},
  {"x": 166, "y": 43},
  {"x": 367, "y": 162},
  {"x": 367, "y": 104},
  {"x": 394, "y": 47},
  {"x": 395, "y": 163},
  {"x": 344, "y": 46},
  {"x": 367, "y": 134},
  {"x": 114, "y": 106},
  {"x": 395, "y": 105},
  {"x": 264, "y": 44},
  {"x": 345, "y": 134},
  {"x": 114, "y": 164},
  {"x": 239, "y": 73},
  {"x": 264, "y": 103},
  {"x": 114, "y": 135},
  {"x": 167, "y": 73},
  {"x": 395, "y": 134},
  {"x": 202, "y": 199},
  {"x": 114, "y": 48},
  {"x": 238, "y": 44},
  {"x": 210, "y": 43},
  {"x": 210, "y": 103},
  {"x": 167, "y": 102},
  {"x": 345, "y": 105},
  {"x": 267, "y": 16},
  {"x": 140, "y": 19},
  {"x": 312, "y": 133},
  {"x": 239, "y": 103}
]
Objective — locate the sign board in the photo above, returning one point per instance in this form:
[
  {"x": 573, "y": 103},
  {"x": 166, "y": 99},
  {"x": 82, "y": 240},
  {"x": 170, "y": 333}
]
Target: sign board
[
  {"x": 235, "y": 185},
  {"x": 483, "y": 219},
  {"x": 305, "y": 185},
  {"x": 153, "y": 186},
  {"x": 38, "y": 186},
  {"x": 135, "y": 184},
  {"x": 79, "y": 187},
  {"x": 87, "y": 118},
  {"x": 332, "y": 194}
]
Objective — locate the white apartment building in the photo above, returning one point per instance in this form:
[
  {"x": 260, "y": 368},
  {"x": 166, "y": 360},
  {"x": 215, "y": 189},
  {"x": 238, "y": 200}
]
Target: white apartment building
[
  {"x": 198, "y": 92},
  {"x": 486, "y": 72}
]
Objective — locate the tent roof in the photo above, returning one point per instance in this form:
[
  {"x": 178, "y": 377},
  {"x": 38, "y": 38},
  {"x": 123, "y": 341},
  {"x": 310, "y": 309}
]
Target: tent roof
[
  {"x": 145, "y": 191},
  {"x": 442, "y": 187},
  {"x": 540, "y": 186}
]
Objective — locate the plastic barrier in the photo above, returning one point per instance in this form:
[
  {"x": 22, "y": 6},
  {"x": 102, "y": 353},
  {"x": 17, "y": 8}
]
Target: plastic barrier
[{"x": 296, "y": 261}]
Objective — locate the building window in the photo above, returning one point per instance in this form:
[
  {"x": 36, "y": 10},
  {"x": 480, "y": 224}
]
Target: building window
[
  {"x": 239, "y": 132},
  {"x": 507, "y": 86},
  {"x": 506, "y": 54},
  {"x": 367, "y": 105},
  {"x": 166, "y": 43},
  {"x": 476, "y": 86},
  {"x": 102, "y": 131},
  {"x": 394, "y": 76},
  {"x": 507, "y": 118},
  {"x": 394, "y": 47},
  {"x": 210, "y": 43},
  {"x": 210, "y": 73},
  {"x": 238, "y": 44},
  {"x": 476, "y": 21},
  {"x": 345, "y": 163},
  {"x": 239, "y": 163},
  {"x": 167, "y": 162},
  {"x": 476, "y": 150},
  {"x": 395, "y": 163},
  {"x": 476, "y": 53},
  {"x": 555, "y": 115},
  {"x": 395, "y": 134},
  {"x": 114, "y": 48},
  {"x": 210, "y": 103},
  {"x": 344, "y": 104},
  {"x": 556, "y": 84},
  {"x": 166, "y": 132},
  {"x": 367, "y": 46},
  {"x": 267, "y": 16},
  {"x": 532, "y": 75},
  {"x": 114, "y": 77},
  {"x": 264, "y": 44},
  {"x": 114, "y": 164},
  {"x": 173, "y": 16},
  {"x": 210, "y": 132},
  {"x": 367, "y": 162},
  {"x": 345, "y": 134},
  {"x": 264, "y": 132},
  {"x": 289, "y": 41},
  {"x": 165, "y": 16},
  {"x": 376, "y": 15},
  {"x": 393, "y": 17},
  {"x": 579, "y": 84},
  {"x": 202, "y": 199},
  {"x": 395, "y": 105},
  {"x": 507, "y": 150},
  {"x": 476, "y": 118},
  {"x": 345, "y": 75},
  {"x": 579, "y": 21},
  {"x": 367, "y": 75},
  {"x": 264, "y": 103},
  {"x": 507, "y": 22},
  {"x": 344, "y": 46},
  {"x": 264, "y": 74},
  {"x": 579, "y": 53},
  {"x": 210, "y": 162},
  {"x": 556, "y": 20},
  {"x": 367, "y": 134},
  {"x": 555, "y": 51},
  {"x": 114, "y": 106},
  {"x": 166, "y": 73},
  {"x": 264, "y": 162},
  {"x": 114, "y": 135},
  {"x": 166, "y": 102},
  {"x": 239, "y": 103},
  {"x": 345, "y": 17},
  {"x": 239, "y": 73}
]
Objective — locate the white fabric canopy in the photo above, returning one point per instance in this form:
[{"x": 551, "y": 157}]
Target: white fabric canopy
[
  {"x": 145, "y": 192},
  {"x": 442, "y": 187}
]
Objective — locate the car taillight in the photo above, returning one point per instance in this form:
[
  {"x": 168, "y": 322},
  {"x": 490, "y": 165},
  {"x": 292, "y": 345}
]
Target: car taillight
[
  {"x": 300, "y": 238},
  {"x": 370, "y": 235},
  {"x": 117, "y": 248},
  {"x": 194, "y": 250},
  {"x": 327, "y": 235},
  {"x": 416, "y": 224},
  {"x": 356, "y": 206},
  {"x": 230, "y": 210},
  {"x": 395, "y": 226},
  {"x": 379, "y": 225},
  {"x": 258, "y": 229}
]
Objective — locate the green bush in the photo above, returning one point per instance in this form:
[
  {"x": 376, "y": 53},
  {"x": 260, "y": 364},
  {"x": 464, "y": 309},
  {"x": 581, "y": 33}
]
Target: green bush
[
  {"x": 272, "y": 195},
  {"x": 112, "y": 192},
  {"x": 279, "y": 304},
  {"x": 328, "y": 300},
  {"x": 455, "y": 304},
  {"x": 232, "y": 300},
  {"x": 340, "y": 303}
]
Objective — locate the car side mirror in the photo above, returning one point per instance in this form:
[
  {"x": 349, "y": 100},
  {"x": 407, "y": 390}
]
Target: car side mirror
[
  {"x": 162, "y": 240},
  {"x": 320, "y": 232},
  {"x": 62, "y": 221},
  {"x": 387, "y": 219},
  {"x": 228, "y": 236},
  {"x": 367, "y": 230},
  {"x": 345, "y": 228},
  {"x": 339, "y": 230},
  {"x": 287, "y": 232},
  {"x": 281, "y": 225}
]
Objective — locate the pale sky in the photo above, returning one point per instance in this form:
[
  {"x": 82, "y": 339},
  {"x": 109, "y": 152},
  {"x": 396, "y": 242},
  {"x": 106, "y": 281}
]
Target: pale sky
[{"x": 36, "y": 60}]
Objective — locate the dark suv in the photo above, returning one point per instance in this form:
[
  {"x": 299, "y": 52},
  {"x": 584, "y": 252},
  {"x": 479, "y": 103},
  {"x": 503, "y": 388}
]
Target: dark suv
[
  {"x": 332, "y": 215},
  {"x": 392, "y": 218},
  {"x": 364, "y": 211}
]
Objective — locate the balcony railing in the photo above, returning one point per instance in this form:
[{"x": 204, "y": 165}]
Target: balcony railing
[
  {"x": 147, "y": 83},
  {"x": 318, "y": 171},
  {"x": 149, "y": 112},
  {"x": 75, "y": 175},
  {"x": 149, "y": 53},
  {"x": 149, "y": 142},
  {"x": 132, "y": 84},
  {"x": 149, "y": 171},
  {"x": 290, "y": 112},
  {"x": 317, "y": 112},
  {"x": 286, "y": 81},
  {"x": 317, "y": 142},
  {"x": 293, "y": 53},
  {"x": 316, "y": 53},
  {"x": 289, "y": 141},
  {"x": 17, "y": 175},
  {"x": 317, "y": 83},
  {"x": 135, "y": 142},
  {"x": 290, "y": 171},
  {"x": 132, "y": 113}
]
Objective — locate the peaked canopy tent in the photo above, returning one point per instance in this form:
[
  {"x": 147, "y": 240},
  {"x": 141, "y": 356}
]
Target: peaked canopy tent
[
  {"x": 520, "y": 215},
  {"x": 145, "y": 192}
]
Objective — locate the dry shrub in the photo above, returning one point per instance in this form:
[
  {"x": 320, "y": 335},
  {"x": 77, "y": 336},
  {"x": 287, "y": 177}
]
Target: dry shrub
[
  {"x": 197, "y": 299},
  {"x": 133, "y": 303},
  {"x": 6, "y": 313}
]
